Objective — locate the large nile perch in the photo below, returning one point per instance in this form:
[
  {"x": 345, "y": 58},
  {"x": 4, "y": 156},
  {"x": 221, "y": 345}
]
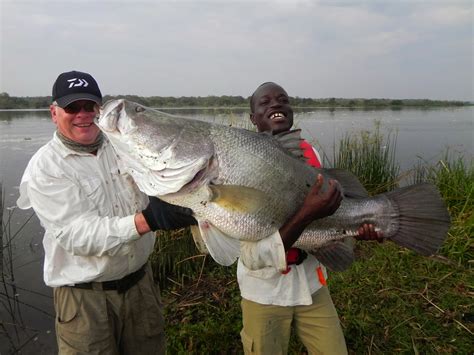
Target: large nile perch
[{"x": 243, "y": 185}]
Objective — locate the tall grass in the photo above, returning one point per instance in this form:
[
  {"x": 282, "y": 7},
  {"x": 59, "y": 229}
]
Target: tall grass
[
  {"x": 371, "y": 157},
  {"x": 454, "y": 177},
  {"x": 13, "y": 326},
  {"x": 176, "y": 259},
  {"x": 390, "y": 301}
]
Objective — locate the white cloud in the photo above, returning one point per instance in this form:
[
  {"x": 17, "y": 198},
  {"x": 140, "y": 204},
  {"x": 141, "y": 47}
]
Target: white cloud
[
  {"x": 179, "y": 47},
  {"x": 448, "y": 15}
]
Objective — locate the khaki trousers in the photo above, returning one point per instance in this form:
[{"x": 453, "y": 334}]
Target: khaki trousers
[
  {"x": 266, "y": 328},
  {"x": 106, "y": 322}
]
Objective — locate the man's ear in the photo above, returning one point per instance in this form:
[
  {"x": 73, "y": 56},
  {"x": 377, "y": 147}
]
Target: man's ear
[
  {"x": 252, "y": 118},
  {"x": 54, "y": 115}
]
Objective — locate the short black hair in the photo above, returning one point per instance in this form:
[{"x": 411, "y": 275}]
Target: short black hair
[{"x": 253, "y": 95}]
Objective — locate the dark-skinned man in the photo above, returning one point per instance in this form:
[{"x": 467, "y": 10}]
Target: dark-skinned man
[{"x": 275, "y": 297}]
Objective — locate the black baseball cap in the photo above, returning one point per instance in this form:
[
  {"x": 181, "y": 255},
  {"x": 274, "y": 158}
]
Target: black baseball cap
[{"x": 75, "y": 85}]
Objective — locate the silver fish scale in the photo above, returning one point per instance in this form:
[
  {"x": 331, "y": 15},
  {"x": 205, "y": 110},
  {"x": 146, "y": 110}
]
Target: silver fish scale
[
  {"x": 255, "y": 161},
  {"x": 345, "y": 222}
]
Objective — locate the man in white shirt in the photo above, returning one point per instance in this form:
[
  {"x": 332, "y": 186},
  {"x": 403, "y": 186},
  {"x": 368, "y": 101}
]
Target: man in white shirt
[
  {"x": 98, "y": 231},
  {"x": 281, "y": 285}
]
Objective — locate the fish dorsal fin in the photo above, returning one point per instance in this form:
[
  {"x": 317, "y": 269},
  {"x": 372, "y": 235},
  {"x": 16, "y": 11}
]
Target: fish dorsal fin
[
  {"x": 238, "y": 198},
  {"x": 224, "y": 249},
  {"x": 291, "y": 141},
  {"x": 337, "y": 256},
  {"x": 351, "y": 185}
]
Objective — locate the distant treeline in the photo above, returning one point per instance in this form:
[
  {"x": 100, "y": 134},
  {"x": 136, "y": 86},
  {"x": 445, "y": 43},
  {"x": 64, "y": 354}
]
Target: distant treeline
[{"x": 41, "y": 102}]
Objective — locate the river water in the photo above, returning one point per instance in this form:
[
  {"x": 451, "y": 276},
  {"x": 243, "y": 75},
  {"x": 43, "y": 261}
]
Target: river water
[{"x": 26, "y": 309}]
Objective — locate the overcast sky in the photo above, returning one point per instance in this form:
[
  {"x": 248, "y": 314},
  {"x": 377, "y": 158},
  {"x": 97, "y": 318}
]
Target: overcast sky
[{"x": 370, "y": 49}]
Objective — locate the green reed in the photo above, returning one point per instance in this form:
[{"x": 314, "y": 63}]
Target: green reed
[
  {"x": 454, "y": 176},
  {"x": 393, "y": 300},
  {"x": 176, "y": 258},
  {"x": 370, "y": 156},
  {"x": 390, "y": 301}
]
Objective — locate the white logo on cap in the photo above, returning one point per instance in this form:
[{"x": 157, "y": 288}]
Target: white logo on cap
[{"x": 80, "y": 82}]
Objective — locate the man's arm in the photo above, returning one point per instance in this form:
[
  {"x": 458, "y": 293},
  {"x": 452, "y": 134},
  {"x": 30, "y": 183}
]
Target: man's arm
[
  {"x": 140, "y": 224},
  {"x": 317, "y": 204},
  {"x": 270, "y": 251},
  {"x": 163, "y": 215},
  {"x": 73, "y": 221}
]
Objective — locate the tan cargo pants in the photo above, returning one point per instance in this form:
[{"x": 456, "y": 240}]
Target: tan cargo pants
[
  {"x": 106, "y": 322},
  {"x": 266, "y": 328}
]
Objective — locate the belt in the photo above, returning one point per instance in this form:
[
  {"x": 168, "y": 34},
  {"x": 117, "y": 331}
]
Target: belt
[{"x": 121, "y": 286}]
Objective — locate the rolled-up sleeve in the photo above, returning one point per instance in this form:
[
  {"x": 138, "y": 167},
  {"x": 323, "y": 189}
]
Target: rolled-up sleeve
[{"x": 268, "y": 252}]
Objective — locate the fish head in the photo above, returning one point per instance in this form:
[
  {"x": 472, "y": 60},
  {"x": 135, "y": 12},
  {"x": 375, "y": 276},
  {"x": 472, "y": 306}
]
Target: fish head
[
  {"x": 139, "y": 127},
  {"x": 157, "y": 149}
]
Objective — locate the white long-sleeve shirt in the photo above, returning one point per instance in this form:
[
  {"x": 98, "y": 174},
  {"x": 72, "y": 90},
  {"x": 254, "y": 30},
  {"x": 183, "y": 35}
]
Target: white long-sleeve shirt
[
  {"x": 86, "y": 206},
  {"x": 261, "y": 278}
]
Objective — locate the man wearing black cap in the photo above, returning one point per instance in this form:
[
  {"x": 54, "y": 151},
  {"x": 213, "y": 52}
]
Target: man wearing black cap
[{"x": 97, "y": 231}]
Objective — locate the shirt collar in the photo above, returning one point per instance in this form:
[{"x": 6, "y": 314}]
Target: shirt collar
[{"x": 65, "y": 151}]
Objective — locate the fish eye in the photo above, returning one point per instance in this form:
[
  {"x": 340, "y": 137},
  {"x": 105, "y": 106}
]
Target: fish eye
[{"x": 139, "y": 109}]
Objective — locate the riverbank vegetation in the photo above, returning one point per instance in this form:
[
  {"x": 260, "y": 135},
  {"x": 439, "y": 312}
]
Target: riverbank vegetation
[
  {"x": 43, "y": 102},
  {"x": 390, "y": 301}
]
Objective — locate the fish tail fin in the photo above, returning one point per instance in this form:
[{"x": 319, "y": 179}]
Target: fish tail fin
[{"x": 423, "y": 218}]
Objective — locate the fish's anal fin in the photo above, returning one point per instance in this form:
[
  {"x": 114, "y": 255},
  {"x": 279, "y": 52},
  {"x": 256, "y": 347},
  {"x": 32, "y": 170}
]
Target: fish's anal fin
[
  {"x": 223, "y": 249},
  {"x": 351, "y": 185},
  {"x": 337, "y": 255},
  {"x": 238, "y": 198}
]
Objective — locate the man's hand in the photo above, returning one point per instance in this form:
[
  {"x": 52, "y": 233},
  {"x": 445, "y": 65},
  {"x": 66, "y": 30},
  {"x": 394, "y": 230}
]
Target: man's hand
[
  {"x": 368, "y": 232},
  {"x": 162, "y": 215},
  {"x": 317, "y": 204}
]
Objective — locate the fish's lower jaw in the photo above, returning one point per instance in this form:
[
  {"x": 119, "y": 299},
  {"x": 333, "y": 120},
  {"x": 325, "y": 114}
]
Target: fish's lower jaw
[{"x": 109, "y": 115}]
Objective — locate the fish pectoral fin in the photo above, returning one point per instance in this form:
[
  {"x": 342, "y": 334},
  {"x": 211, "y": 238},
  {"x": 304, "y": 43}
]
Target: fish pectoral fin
[
  {"x": 224, "y": 249},
  {"x": 238, "y": 198},
  {"x": 351, "y": 185},
  {"x": 337, "y": 255},
  {"x": 198, "y": 240}
]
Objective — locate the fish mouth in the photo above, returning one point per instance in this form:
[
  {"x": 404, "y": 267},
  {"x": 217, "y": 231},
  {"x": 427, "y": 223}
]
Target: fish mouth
[
  {"x": 109, "y": 115},
  {"x": 113, "y": 119}
]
